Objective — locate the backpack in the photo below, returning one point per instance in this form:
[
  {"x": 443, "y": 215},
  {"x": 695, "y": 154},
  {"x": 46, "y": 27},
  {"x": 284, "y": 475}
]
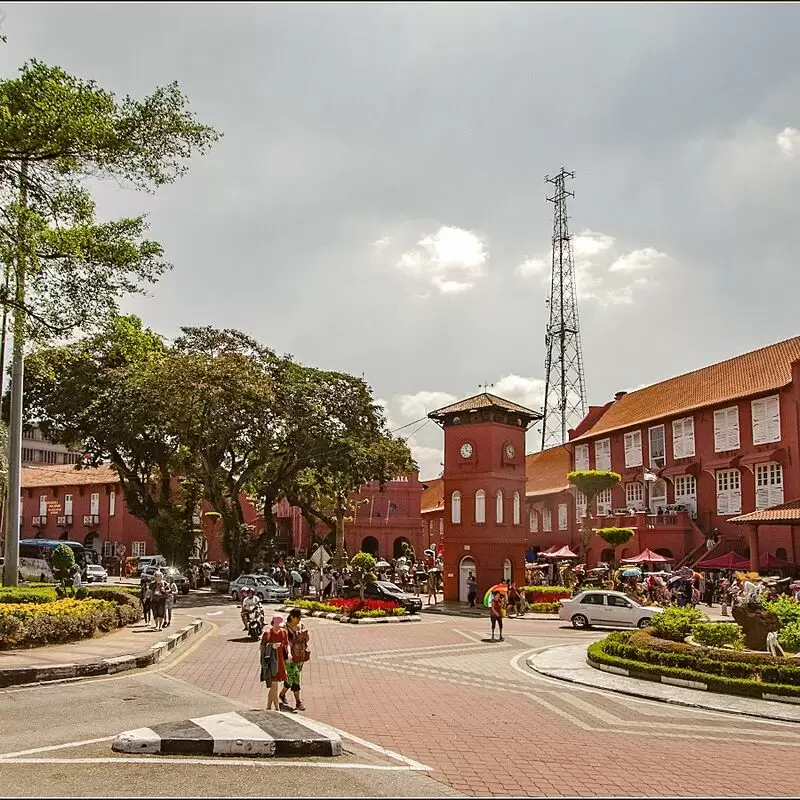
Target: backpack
[{"x": 299, "y": 646}]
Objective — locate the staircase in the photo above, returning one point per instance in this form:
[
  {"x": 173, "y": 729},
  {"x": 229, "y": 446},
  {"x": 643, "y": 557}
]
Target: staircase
[{"x": 724, "y": 545}]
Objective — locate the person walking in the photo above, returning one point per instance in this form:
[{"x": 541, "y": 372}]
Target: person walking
[
  {"x": 432, "y": 580},
  {"x": 472, "y": 590},
  {"x": 274, "y": 644},
  {"x": 171, "y": 589},
  {"x": 297, "y": 635},
  {"x": 159, "y": 600},
  {"x": 497, "y": 612},
  {"x": 146, "y": 596}
]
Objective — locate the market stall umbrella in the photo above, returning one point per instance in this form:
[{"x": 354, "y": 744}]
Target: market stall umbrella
[
  {"x": 632, "y": 572},
  {"x": 564, "y": 552},
  {"x": 646, "y": 557},
  {"x": 382, "y": 564},
  {"x": 769, "y": 561},
  {"x": 730, "y": 560}
]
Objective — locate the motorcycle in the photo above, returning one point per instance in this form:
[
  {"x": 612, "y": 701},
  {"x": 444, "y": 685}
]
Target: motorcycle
[{"x": 255, "y": 622}]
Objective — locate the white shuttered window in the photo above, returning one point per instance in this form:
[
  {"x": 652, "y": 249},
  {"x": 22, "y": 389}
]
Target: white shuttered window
[
  {"x": 112, "y": 503},
  {"x": 94, "y": 504},
  {"x": 604, "y": 503},
  {"x": 455, "y": 508},
  {"x": 683, "y": 438},
  {"x": 633, "y": 449},
  {"x": 726, "y": 429},
  {"x": 533, "y": 521},
  {"x": 547, "y": 519},
  {"x": 686, "y": 492},
  {"x": 68, "y": 504},
  {"x": 580, "y": 505},
  {"x": 581, "y": 456},
  {"x": 602, "y": 454},
  {"x": 729, "y": 492},
  {"x": 769, "y": 485},
  {"x": 480, "y": 506},
  {"x": 516, "y": 508},
  {"x": 562, "y": 516},
  {"x": 634, "y": 496},
  {"x": 43, "y": 505},
  {"x": 766, "y": 414},
  {"x": 499, "y": 507},
  {"x": 658, "y": 446}
]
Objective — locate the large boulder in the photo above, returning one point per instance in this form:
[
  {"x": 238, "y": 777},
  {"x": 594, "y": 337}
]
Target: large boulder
[{"x": 756, "y": 623}]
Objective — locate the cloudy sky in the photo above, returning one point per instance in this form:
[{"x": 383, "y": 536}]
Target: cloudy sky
[{"x": 377, "y": 204}]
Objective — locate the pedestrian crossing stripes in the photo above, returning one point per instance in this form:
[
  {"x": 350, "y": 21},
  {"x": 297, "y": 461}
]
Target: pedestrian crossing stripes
[{"x": 243, "y": 733}]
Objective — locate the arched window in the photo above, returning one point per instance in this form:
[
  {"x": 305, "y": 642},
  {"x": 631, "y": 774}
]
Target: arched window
[
  {"x": 533, "y": 521},
  {"x": 516, "y": 508},
  {"x": 455, "y": 508},
  {"x": 480, "y": 506},
  {"x": 499, "y": 504},
  {"x": 508, "y": 570}
]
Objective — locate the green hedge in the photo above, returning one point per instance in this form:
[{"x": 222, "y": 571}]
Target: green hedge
[
  {"x": 643, "y": 648},
  {"x": 128, "y": 607},
  {"x": 28, "y": 594},
  {"x": 597, "y": 654}
]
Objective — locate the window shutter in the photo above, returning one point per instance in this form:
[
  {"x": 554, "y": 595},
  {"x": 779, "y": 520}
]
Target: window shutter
[
  {"x": 580, "y": 505},
  {"x": 516, "y": 508},
  {"x": 759, "y": 429},
  {"x": 722, "y": 501},
  {"x": 547, "y": 519},
  {"x": 499, "y": 507},
  {"x": 480, "y": 506},
  {"x": 455, "y": 508},
  {"x": 720, "y": 433},
  {"x": 112, "y": 504},
  {"x": 762, "y": 497},
  {"x": 688, "y": 437},
  {"x": 43, "y": 505},
  {"x": 68, "y": 505},
  {"x": 733, "y": 429},
  {"x": 735, "y": 501},
  {"x": 562, "y": 516},
  {"x": 582, "y": 457},
  {"x": 677, "y": 438},
  {"x": 94, "y": 505},
  {"x": 628, "y": 449},
  {"x": 776, "y": 493},
  {"x": 772, "y": 424},
  {"x": 533, "y": 521}
]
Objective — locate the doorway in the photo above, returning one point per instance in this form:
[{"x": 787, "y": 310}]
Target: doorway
[
  {"x": 658, "y": 496},
  {"x": 467, "y": 566}
]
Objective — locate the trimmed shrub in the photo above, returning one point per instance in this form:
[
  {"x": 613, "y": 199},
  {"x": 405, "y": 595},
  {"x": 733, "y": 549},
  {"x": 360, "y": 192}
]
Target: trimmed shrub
[
  {"x": 789, "y": 637},
  {"x": 717, "y": 634},
  {"x": 34, "y": 624},
  {"x": 676, "y": 623},
  {"x": 546, "y": 594},
  {"x": 786, "y": 610},
  {"x": 26, "y": 594},
  {"x": 544, "y": 608},
  {"x": 128, "y": 607},
  {"x": 314, "y": 605}
]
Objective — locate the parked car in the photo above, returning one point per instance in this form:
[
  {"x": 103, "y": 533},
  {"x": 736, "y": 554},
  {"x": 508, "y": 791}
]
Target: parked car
[
  {"x": 609, "y": 609},
  {"x": 144, "y": 562},
  {"x": 268, "y": 590},
  {"x": 95, "y": 573},
  {"x": 181, "y": 580},
  {"x": 389, "y": 592}
]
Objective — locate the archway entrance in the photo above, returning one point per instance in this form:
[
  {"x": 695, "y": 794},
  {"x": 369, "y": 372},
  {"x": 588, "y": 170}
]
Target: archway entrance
[
  {"x": 467, "y": 565},
  {"x": 370, "y": 545},
  {"x": 397, "y": 549}
]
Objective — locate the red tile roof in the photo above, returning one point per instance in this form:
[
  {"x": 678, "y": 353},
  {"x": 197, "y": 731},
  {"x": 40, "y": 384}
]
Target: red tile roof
[
  {"x": 433, "y": 496},
  {"x": 757, "y": 372},
  {"x": 547, "y": 471},
  {"x": 485, "y": 400},
  {"x": 784, "y": 514},
  {"x": 67, "y": 475}
]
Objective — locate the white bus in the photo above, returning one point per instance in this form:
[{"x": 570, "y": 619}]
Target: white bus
[{"x": 36, "y": 558}]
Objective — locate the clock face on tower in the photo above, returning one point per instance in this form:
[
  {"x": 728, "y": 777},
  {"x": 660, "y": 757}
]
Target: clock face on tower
[
  {"x": 510, "y": 452},
  {"x": 466, "y": 450}
]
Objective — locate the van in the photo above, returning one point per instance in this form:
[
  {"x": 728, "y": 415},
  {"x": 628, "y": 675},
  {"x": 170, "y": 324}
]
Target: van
[{"x": 150, "y": 561}]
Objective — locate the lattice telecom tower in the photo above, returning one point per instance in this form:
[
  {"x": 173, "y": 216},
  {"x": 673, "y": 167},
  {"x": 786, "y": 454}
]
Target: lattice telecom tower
[{"x": 565, "y": 384}]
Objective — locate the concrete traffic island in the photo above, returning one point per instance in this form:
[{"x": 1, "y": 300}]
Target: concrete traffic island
[{"x": 259, "y": 734}]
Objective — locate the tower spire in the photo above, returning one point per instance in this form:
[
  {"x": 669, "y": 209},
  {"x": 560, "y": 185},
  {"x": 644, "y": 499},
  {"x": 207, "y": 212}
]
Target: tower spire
[{"x": 565, "y": 385}]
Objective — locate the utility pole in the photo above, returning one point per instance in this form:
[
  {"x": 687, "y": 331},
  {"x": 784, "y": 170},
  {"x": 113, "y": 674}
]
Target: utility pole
[
  {"x": 11, "y": 566},
  {"x": 565, "y": 385}
]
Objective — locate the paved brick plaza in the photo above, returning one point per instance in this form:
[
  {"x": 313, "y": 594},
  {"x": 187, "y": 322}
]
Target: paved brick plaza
[{"x": 434, "y": 692}]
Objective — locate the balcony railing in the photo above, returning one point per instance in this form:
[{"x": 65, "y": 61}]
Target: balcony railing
[{"x": 675, "y": 521}]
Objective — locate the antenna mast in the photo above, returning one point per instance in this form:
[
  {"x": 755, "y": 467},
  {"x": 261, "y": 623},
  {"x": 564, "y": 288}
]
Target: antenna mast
[{"x": 565, "y": 384}]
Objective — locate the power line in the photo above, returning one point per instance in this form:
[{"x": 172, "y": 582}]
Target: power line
[{"x": 409, "y": 424}]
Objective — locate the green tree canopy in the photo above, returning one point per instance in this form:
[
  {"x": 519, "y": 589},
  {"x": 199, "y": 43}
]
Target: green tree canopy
[
  {"x": 591, "y": 482},
  {"x": 616, "y": 536}
]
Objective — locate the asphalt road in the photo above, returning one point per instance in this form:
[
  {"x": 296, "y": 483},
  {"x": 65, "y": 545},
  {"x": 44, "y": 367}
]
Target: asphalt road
[{"x": 57, "y": 742}]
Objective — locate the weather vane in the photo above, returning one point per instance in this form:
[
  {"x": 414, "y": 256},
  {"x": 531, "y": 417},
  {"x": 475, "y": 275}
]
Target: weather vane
[{"x": 485, "y": 386}]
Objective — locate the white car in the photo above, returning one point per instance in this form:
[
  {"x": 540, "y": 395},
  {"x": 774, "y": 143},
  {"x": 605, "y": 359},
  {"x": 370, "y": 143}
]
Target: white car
[
  {"x": 611, "y": 609},
  {"x": 95, "y": 573},
  {"x": 267, "y": 589}
]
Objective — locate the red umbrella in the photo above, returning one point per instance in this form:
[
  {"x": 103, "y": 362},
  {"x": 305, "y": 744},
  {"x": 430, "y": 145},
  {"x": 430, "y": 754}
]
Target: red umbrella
[
  {"x": 646, "y": 557},
  {"x": 769, "y": 561},
  {"x": 730, "y": 560}
]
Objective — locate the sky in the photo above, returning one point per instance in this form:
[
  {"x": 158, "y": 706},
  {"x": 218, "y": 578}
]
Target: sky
[{"x": 377, "y": 204}]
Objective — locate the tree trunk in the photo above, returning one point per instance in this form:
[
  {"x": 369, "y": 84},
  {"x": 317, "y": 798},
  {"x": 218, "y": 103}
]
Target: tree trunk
[{"x": 341, "y": 557}]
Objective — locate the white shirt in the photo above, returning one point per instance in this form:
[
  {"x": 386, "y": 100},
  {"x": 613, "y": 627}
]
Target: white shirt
[{"x": 249, "y": 602}]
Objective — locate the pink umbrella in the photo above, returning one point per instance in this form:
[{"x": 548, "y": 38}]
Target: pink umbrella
[
  {"x": 646, "y": 557},
  {"x": 564, "y": 552}
]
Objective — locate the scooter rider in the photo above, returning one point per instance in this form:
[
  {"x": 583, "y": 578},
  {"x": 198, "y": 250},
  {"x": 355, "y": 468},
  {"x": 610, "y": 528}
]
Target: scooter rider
[{"x": 251, "y": 600}]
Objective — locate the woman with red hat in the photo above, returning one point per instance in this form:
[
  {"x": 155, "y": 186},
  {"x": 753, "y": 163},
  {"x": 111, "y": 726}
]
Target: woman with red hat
[{"x": 274, "y": 646}]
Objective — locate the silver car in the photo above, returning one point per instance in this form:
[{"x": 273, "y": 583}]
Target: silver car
[
  {"x": 95, "y": 573},
  {"x": 267, "y": 589},
  {"x": 609, "y": 609}
]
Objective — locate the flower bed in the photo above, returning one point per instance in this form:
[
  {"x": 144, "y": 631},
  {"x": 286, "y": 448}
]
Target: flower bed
[
  {"x": 31, "y": 617},
  {"x": 546, "y": 594},
  {"x": 353, "y": 607},
  {"x": 544, "y": 608},
  {"x": 728, "y": 671}
]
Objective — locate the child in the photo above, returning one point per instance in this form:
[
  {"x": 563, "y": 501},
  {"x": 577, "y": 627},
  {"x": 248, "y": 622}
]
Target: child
[{"x": 274, "y": 644}]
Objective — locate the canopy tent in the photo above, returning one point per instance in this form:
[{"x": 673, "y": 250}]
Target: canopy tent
[
  {"x": 564, "y": 552},
  {"x": 769, "y": 561},
  {"x": 730, "y": 560},
  {"x": 647, "y": 557}
]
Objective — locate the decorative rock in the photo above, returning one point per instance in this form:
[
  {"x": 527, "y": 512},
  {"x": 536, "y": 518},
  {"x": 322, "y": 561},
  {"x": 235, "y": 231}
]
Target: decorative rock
[{"x": 756, "y": 623}]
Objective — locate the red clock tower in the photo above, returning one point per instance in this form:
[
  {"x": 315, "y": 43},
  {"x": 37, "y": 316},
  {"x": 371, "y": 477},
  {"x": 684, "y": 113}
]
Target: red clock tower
[{"x": 484, "y": 491}]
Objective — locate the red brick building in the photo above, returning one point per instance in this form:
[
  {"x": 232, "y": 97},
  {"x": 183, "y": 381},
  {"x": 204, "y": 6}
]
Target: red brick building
[
  {"x": 478, "y": 511},
  {"x": 87, "y": 505}
]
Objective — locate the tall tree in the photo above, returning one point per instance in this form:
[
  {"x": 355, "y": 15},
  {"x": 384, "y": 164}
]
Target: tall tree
[
  {"x": 106, "y": 395},
  {"x": 591, "y": 482},
  {"x": 57, "y": 130}
]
